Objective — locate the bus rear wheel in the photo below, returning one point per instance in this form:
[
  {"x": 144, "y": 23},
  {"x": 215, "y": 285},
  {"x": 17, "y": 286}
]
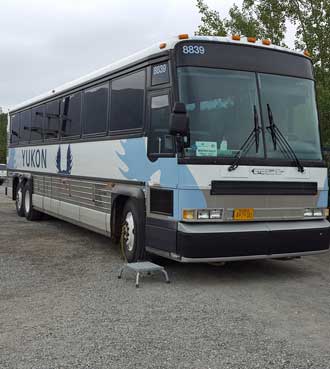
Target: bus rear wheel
[
  {"x": 132, "y": 240},
  {"x": 20, "y": 199},
  {"x": 29, "y": 212}
]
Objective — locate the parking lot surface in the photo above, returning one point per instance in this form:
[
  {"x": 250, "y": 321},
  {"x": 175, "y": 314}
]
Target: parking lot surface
[{"x": 62, "y": 306}]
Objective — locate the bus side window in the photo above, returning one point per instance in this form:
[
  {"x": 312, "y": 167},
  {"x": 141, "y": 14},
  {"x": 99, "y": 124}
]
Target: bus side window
[
  {"x": 52, "y": 122},
  {"x": 96, "y": 109},
  {"x": 25, "y": 125},
  {"x": 14, "y": 122},
  {"x": 37, "y": 123},
  {"x": 160, "y": 141},
  {"x": 71, "y": 109}
]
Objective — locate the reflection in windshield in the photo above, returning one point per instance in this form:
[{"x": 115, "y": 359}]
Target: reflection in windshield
[
  {"x": 292, "y": 101},
  {"x": 220, "y": 104}
]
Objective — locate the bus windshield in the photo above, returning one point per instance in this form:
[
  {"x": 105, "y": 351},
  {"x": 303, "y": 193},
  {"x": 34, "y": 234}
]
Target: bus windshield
[{"x": 222, "y": 106}]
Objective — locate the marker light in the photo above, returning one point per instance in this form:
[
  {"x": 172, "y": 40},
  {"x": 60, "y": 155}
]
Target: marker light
[
  {"x": 266, "y": 42},
  {"x": 251, "y": 39},
  {"x": 203, "y": 214},
  {"x": 162, "y": 45},
  {"x": 326, "y": 213},
  {"x": 183, "y": 36},
  {"x": 188, "y": 214},
  {"x": 307, "y": 53},
  {"x": 236, "y": 37}
]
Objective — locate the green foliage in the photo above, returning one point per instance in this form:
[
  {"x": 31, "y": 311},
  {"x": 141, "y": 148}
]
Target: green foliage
[
  {"x": 3, "y": 137},
  {"x": 262, "y": 19},
  {"x": 267, "y": 19},
  {"x": 212, "y": 24}
]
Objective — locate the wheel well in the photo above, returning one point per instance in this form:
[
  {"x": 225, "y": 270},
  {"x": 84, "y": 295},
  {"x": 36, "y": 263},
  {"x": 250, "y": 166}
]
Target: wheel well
[
  {"x": 116, "y": 215},
  {"x": 117, "y": 209}
]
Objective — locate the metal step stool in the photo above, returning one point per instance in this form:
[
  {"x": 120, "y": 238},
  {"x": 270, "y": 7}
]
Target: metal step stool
[{"x": 143, "y": 267}]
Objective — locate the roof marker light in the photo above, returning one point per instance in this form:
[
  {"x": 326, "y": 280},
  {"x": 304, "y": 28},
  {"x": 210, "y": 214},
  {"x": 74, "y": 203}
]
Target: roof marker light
[
  {"x": 162, "y": 45},
  {"x": 236, "y": 37},
  {"x": 183, "y": 36},
  {"x": 251, "y": 39},
  {"x": 266, "y": 42},
  {"x": 307, "y": 53}
]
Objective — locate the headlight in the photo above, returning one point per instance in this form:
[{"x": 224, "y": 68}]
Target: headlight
[
  {"x": 318, "y": 213},
  {"x": 314, "y": 213},
  {"x": 203, "y": 214},
  {"x": 308, "y": 213},
  {"x": 215, "y": 214}
]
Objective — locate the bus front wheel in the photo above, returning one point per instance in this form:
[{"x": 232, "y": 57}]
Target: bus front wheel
[{"x": 132, "y": 232}]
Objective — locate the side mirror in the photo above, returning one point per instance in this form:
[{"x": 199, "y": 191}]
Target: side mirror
[{"x": 179, "y": 120}]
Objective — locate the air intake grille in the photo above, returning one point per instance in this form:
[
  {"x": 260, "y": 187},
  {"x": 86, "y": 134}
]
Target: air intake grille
[{"x": 262, "y": 188}]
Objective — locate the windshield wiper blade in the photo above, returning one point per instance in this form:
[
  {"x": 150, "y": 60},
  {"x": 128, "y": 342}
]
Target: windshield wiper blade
[
  {"x": 284, "y": 145},
  {"x": 252, "y": 138}
]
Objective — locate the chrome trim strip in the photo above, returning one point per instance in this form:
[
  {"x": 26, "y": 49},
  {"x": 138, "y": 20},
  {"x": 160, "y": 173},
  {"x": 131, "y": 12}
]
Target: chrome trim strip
[
  {"x": 253, "y": 226},
  {"x": 231, "y": 258},
  {"x": 251, "y": 257}
]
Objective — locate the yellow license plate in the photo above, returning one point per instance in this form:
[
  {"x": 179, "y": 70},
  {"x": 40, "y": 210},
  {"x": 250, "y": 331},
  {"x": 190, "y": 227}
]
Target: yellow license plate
[{"x": 244, "y": 214}]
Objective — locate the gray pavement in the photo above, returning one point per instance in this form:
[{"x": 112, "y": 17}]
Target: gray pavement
[{"x": 62, "y": 306}]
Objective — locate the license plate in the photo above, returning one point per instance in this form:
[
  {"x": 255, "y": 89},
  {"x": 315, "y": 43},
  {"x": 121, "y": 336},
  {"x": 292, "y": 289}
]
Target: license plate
[{"x": 244, "y": 214}]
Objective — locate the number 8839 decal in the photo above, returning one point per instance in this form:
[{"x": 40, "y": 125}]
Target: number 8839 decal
[{"x": 193, "y": 49}]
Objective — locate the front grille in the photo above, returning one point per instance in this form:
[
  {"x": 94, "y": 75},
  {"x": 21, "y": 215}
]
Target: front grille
[{"x": 263, "y": 188}]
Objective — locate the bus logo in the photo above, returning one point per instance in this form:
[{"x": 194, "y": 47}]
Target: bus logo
[
  {"x": 268, "y": 171},
  {"x": 69, "y": 161}
]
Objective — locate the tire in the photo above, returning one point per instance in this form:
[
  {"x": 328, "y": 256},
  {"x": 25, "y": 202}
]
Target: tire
[
  {"x": 20, "y": 199},
  {"x": 132, "y": 237},
  {"x": 29, "y": 212}
]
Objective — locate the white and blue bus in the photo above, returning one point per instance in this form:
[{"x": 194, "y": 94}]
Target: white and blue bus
[{"x": 197, "y": 149}]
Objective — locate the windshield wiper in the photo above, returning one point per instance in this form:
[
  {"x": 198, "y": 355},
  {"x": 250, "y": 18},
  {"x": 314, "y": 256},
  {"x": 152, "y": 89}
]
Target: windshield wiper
[
  {"x": 252, "y": 138},
  {"x": 284, "y": 145}
]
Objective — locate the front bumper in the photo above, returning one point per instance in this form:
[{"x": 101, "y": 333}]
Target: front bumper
[{"x": 239, "y": 241}]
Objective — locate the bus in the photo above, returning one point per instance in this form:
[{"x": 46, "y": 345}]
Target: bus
[{"x": 197, "y": 149}]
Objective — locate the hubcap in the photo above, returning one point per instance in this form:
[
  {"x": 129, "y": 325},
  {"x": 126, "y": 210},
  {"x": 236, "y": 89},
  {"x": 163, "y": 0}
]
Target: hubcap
[
  {"x": 27, "y": 201},
  {"x": 129, "y": 232},
  {"x": 19, "y": 198}
]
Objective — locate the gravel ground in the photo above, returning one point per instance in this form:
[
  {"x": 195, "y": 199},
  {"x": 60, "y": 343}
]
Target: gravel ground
[{"x": 62, "y": 306}]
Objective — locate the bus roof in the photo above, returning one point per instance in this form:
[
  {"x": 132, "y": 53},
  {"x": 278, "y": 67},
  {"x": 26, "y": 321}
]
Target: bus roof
[{"x": 140, "y": 55}]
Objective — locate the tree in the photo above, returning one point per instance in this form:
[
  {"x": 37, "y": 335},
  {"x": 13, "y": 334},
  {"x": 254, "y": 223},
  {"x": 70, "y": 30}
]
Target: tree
[
  {"x": 3, "y": 138},
  {"x": 267, "y": 19},
  {"x": 262, "y": 19}
]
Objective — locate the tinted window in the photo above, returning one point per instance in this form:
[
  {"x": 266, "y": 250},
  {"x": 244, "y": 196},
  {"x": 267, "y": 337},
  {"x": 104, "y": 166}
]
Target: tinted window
[
  {"x": 127, "y": 97},
  {"x": 96, "y": 109},
  {"x": 52, "y": 120},
  {"x": 14, "y": 119},
  {"x": 38, "y": 114},
  {"x": 160, "y": 141},
  {"x": 25, "y": 125},
  {"x": 160, "y": 74},
  {"x": 71, "y": 110}
]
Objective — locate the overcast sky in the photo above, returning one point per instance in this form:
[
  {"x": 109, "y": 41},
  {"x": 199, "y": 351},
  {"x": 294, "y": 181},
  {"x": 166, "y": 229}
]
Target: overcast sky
[{"x": 45, "y": 43}]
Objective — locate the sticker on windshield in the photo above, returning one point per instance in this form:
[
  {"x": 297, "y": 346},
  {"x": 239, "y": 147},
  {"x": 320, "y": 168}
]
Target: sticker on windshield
[{"x": 206, "y": 148}]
